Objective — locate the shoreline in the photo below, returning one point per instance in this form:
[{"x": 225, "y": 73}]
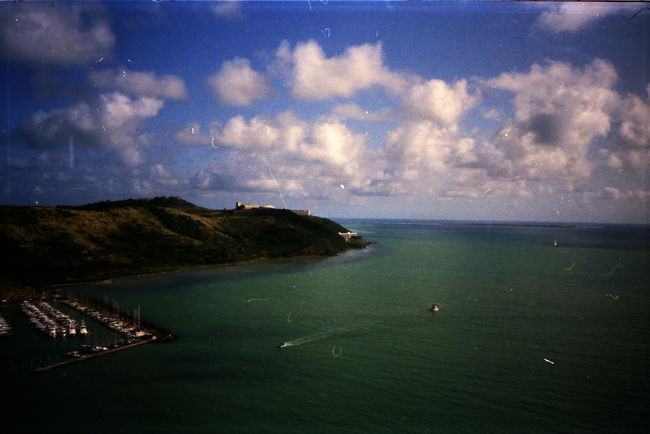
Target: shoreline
[
  {"x": 49, "y": 290},
  {"x": 165, "y": 270}
]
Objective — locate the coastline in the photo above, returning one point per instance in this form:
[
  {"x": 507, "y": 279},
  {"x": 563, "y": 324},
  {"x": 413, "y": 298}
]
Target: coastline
[{"x": 50, "y": 290}]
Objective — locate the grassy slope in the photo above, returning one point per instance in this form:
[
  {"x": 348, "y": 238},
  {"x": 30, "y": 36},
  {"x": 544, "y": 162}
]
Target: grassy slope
[{"x": 98, "y": 241}]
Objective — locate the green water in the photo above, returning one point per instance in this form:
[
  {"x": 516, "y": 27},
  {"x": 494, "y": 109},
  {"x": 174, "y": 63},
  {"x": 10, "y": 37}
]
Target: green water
[{"x": 366, "y": 354}]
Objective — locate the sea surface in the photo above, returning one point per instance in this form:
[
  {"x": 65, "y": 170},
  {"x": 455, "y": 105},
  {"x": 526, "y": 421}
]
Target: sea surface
[{"x": 530, "y": 338}]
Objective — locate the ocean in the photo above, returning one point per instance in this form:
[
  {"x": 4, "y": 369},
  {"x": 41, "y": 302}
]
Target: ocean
[{"x": 529, "y": 338}]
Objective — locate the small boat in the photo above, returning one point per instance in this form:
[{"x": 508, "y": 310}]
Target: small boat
[
  {"x": 435, "y": 308},
  {"x": 555, "y": 243},
  {"x": 82, "y": 329},
  {"x": 283, "y": 345}
]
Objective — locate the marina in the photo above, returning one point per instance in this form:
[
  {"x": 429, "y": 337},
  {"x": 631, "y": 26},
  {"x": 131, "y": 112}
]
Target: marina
[{"x": 80, "y": 329}]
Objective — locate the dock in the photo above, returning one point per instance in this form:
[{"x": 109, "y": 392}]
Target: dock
[{"x": 90, "y": 356}]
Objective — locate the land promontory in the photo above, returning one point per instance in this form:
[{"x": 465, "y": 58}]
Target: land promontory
[{"x": 56, "y": 245}]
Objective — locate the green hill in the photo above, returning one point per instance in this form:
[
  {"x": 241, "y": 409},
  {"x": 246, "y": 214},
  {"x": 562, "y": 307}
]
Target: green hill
[{"x": 46, "y": 246}]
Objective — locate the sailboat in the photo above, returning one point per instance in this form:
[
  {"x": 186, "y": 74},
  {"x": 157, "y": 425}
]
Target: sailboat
[{"x": 555, "y": 243}]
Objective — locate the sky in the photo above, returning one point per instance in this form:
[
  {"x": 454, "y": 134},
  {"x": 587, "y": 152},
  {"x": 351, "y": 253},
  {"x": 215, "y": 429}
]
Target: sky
[{"x": 509, "y": 111}]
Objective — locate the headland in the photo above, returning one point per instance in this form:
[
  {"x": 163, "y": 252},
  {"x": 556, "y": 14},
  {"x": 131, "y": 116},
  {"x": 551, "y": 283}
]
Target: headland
[{"x": 52, "y": 246}]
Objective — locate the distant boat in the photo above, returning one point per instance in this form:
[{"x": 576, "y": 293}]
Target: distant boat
[
  {"x": 555, "y": 243},
  {"x": 435, "y": 308}
]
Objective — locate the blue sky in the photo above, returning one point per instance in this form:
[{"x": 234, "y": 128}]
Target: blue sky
[{"x": 454, "y": 110}]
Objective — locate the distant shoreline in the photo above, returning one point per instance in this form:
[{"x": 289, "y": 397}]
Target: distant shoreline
[
  {"x": 174, "y": 269},
  {"x": 519, "y": 225},
  {"x": 566, "y": 225}
]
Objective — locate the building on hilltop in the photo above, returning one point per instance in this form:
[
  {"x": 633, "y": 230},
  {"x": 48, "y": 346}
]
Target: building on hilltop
[{"x": 240, "y": 205}]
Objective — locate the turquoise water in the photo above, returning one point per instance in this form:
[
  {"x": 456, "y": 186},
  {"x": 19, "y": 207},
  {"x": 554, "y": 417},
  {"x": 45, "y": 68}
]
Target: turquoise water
[{"x": 530, "y": 338}]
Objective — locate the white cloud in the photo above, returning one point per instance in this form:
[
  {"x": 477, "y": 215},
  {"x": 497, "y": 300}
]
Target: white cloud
[
  {"x": 333, "y": 143},
  {"x": 559, "y": 111},
  {"x": 420, "y": 145},
  {"x": 327, "y": 141},
  {"x": 571, "y": 17},
  {"x": 117, "y": 109},
  {"x": 438, "y": 101},
  {"x": 629, "y": 145},
  {"x": 237, "y": 83},
  {"x": 308, "y": 159},
  {"x": 112, "y": 122},
  {"x": 314, "y": 77},
  {"x": 430, "y": 159},
  {"x": 283, "y": 132},
  {"x": 634, "y": 129},
  {"x": 140, "y": 83},
  {"x": 53, "y": 34}
]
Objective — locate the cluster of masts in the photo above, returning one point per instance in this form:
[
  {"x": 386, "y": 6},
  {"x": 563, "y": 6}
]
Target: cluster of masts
[
  {"x": 52, "y": 321},
  {"x": 5, "y": 328},
  {"x": 112, "y": 321}
]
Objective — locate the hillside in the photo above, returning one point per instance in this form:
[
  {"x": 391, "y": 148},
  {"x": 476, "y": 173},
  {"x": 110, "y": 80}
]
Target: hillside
[{"x": 97, "y": 241}]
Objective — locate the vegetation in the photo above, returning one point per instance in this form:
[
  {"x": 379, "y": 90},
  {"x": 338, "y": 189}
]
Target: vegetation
[{"x": 46, "y": 246}]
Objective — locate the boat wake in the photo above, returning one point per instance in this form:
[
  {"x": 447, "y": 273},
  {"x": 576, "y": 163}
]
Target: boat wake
[
  {"x": 352, "y": 329},
  {"x": 314, "y": 337},
  {"x": 332, "y": 332}
]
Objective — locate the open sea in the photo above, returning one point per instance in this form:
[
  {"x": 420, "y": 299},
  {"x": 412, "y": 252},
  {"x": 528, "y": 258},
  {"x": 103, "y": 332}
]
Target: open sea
[{"x": 530, "y": 338}]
